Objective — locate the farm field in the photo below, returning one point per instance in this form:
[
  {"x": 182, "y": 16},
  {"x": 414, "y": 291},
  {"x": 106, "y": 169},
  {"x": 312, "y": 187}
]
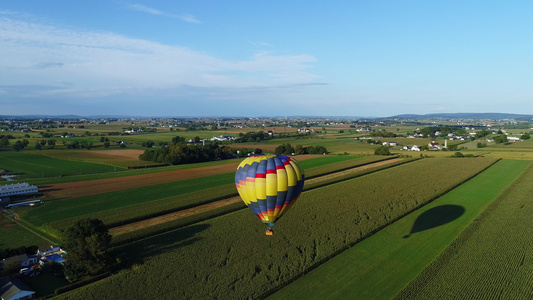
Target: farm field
[
  {"x": 119, "y": 196},
  {"x": 14, "y": 235},
  {"x": 491, "y": 259},
  {"x": 28, "y": 166},
  {"x": 381, "y": 265},
  {"x": 163, "y": 216},
  {"x": 310, "y": 234},
  {"x": 123, "y": 158},
  {"x": 87, "y": 188},
  {"x": 200, "y": 209}
]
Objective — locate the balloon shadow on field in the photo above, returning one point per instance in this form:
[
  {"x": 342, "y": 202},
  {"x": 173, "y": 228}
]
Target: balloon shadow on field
[
  {"x": 136, "y": 252},
  {"x": 435, "y": 217}
]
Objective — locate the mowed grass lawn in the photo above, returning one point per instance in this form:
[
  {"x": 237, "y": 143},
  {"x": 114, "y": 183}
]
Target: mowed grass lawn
[
  {"x": 381, "y": 265},
  {"x": 27, "y": 166}
]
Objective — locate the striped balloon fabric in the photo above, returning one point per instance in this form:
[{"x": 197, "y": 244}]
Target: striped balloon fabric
[{"x": 269, "y": 185}]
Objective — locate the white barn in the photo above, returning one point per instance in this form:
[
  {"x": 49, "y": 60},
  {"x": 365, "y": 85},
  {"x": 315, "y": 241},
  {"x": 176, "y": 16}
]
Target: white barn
[{"x": 17, "y": 189}]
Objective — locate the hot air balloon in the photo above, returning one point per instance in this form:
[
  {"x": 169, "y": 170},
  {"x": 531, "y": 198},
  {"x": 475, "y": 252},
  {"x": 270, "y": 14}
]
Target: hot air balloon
[{"x": 269, "y": 185}]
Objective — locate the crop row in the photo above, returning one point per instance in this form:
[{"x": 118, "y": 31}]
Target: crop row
[
  {"x": 230, "y": 257},
  {"x": 491, "y": 259},
  {"x": 159, "y": 228}
]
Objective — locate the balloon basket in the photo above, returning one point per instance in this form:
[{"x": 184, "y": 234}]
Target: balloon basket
[{"x": 269, "y": 231}]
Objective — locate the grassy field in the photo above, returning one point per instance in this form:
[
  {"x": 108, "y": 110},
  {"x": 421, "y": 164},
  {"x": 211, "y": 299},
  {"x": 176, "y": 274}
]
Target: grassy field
[
  {"x": 242, "y": 262},
  {"x": 28, "y": 166},
  {"x": 380, "y": 266},
  {"x": 497, "y": 246},
  {"x": 14, "y": 235}
]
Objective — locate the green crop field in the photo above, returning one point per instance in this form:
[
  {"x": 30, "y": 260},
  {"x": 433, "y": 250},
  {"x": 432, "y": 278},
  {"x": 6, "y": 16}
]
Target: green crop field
[
  {"x": 56, "y": 210},
  {"x": 244, "y": 263},
  {"x": 14, "y": 235},
  {"x": 491, "y": 259},
  {"x": 28, "y": 166},
  {"x": 380, "y": 266}
]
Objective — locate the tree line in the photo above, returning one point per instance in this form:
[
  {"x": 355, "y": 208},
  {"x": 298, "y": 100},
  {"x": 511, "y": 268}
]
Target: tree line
[
  {"x": 288, "y": 149},
  {"x": 181, "y": 153}
]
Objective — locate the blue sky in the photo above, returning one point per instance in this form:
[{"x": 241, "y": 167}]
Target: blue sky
[{"x": 265, "y": 58}]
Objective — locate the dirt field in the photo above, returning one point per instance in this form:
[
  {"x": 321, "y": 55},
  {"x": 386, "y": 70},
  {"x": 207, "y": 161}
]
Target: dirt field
[
  {"x": 99, "y": 186},
  {"x": 206, "y": 207},
  {"x": 128, "y": 154}
]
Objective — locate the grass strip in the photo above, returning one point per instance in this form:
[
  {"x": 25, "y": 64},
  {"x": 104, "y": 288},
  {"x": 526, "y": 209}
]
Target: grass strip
[{"x": 381, "y": 265}]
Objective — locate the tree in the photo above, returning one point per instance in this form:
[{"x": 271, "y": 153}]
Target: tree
[
  {"x": 18, "y": 146},
  {"x": 525, "y": 136},
  {"x": 382, "y": 150},
  {"x": 12, "y": 266},
  {"x": 286, "y": 149},
  {"x": 86, "y": 243},
  {"x": 299, "y": 149},
  {"x": 499, "y": 139}
]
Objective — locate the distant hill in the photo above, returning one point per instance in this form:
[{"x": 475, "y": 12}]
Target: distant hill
[{"x": 464, "y": 116}]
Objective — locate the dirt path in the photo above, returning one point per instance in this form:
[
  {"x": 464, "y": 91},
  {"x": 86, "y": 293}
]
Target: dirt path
[
  {"x": 172, "y": 216},
  {"x": 213, "y": 205},
  {"x": 356, "y": 169}
]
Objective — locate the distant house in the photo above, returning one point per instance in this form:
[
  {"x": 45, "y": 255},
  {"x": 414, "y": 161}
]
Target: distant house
[
  {"x": 434, "y": 146},
  {"x": 223, "y": 138},
  {"x": 390, "y": 144},
  {"x": 415, "y": 148},
  {"x": 48, "y": 251},
  {"x": 513, "y": 139},
  {"x": 15, "y": 289}
]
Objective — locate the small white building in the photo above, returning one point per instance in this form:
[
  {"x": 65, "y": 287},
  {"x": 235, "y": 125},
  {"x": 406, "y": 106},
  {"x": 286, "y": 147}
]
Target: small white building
[{"x": 415, "y": 148}]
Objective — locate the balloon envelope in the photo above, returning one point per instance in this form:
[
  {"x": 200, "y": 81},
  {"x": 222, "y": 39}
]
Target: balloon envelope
[{"x": 269, "y": 185}]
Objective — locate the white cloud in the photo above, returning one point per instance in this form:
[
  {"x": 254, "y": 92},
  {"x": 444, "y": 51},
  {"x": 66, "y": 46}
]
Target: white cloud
[
  {"x": 190, "y": 19},
  {"x": 103, "y": 63},
  {"x": 146, "y": 9},
  {"x": 149, "y": 10}
]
